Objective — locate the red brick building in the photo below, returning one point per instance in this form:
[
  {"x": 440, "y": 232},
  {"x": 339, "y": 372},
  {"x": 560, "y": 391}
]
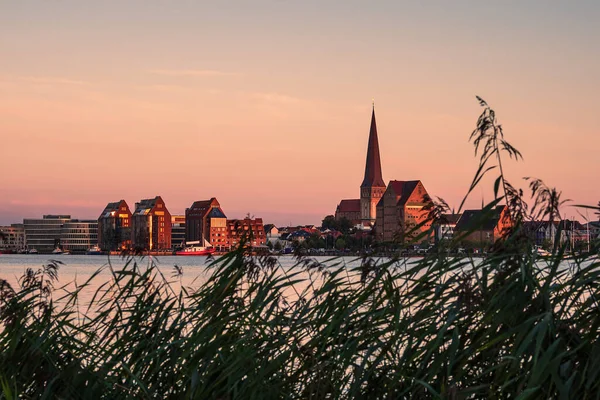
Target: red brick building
[
  {"x": 349, "y": 209},
  {"x": 476, "y": 227},
  {"x": 402, "y": 208},
  {"x": 372, "y": 186},
  {"x": 205, "y": 220},
  {"x": 252, "y": 229},
  {"x": 114, "y": 227},
  {"x": 151, "y": 225},
  {"x": 363, "y": 211}
]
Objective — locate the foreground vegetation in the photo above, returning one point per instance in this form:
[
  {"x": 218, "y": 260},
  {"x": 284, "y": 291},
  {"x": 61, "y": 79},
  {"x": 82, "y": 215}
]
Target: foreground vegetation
[{"x": 509, "y": 325}]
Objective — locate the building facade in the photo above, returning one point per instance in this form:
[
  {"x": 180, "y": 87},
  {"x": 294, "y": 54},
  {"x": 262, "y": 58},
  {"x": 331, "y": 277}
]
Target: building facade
[
  {"x": 400, "y": 212},
  {"x": 77, "y": 236},
  {"x": 205, "y": 220},
  {"x": 151, "y": 225},
  {"x": 12, "y": 238},
  {"x": 372, "y": 186},
  {"x": 249, "y": 229},
  {"x": 362, "y": 211},
  {"x": 483, "y": 227},
  {"x": 178, "y": 230},
  {"x": 349, "y": 209},
  {"x": 114, "y": 227},
  {"x": 444, "y": 227},
  {"x": 44, "y": 234}
]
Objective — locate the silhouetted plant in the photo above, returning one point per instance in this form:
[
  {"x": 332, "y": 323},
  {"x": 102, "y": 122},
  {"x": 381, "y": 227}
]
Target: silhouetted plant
[{"x": 510, "y": 325}]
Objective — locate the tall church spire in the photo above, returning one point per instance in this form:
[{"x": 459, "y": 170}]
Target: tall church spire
[{"x": 373, "y": 167}]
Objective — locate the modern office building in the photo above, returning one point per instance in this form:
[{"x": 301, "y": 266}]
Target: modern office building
[
  {"x": 177, "y": 230},
  {"x": 77, "y": 236},
  {"x": 44, "y": 234},
  {"x": 12, "y": 238},
  {"x": 151, "y": 224},
  {"x": 114, "y": 227}
]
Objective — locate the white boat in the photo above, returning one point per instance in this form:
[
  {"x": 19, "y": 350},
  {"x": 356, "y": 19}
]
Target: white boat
[
  {"x": 32, "y": 251},
  {"x": 541, "y": 252},
  {"x": 57, "y": 251},
  {"x": 195, "y": 250},
  {"x": 94, "y": 251}
]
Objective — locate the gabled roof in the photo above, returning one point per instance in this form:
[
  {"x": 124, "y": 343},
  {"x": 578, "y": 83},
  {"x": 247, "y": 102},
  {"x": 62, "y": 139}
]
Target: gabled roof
[
  {"x": 352, "y": 205},
  {"x": 216, "y": 213},
  {"x": 449, "y": 218},
  {"x": 403, "y": 190},
  {"x": 269, "y": 227},
  {"x": 110, "y": 207},
  {"x": 373, "y": 166},
  {"x": 203, "y": 207},
  {"x": 487, "y": 224},
  {"x": 145, "y": 205}
]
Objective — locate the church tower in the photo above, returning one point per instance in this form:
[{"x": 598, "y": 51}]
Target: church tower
[{"x": 372, "y": 187}]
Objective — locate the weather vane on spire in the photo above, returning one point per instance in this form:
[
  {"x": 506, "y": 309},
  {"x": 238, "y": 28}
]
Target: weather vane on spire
[{"x": 373, "y": 99}]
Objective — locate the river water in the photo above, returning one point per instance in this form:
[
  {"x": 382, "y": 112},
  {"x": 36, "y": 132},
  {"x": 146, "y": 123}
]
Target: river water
[{"x": 79, "y": 268}]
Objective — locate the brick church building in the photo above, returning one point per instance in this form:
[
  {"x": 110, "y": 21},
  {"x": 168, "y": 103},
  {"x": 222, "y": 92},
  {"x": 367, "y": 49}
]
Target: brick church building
[{"x": 390, "y": 209}]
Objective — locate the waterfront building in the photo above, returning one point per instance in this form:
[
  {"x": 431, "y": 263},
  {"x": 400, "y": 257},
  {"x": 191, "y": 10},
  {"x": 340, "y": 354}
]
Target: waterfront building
[
  {"x": 114, "y": 227},
  {"x": 483, "y": 227},
  {"x": 12, "y": 238},
  {"x": 205, "y": 220},
  {"x": 77, "y": 236},
  {"x": 250, "y": 229},
  {"x": 362, "y": 212},
  {"x": 403, "y": 207},
  {"x": 44, "y": 234},
  {"x": 373, "y": 186},
  {"x": 151, "y": 225},
  {"x": 178, "y": 230},
  {"x": 444, "y": 227}
]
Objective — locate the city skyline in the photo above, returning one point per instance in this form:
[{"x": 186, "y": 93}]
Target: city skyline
[{"x": 266, "y": 105}]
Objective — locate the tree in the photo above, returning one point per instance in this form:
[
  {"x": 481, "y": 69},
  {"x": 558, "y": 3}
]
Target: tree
[
  {"x": 329, "y": 222},
  {"x": 278, "y": 245},
  {"x": 340, "y": 244}
]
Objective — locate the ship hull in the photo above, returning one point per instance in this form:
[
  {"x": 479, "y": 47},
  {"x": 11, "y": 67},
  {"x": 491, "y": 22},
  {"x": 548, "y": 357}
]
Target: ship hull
[{"x": 195, "y": 252}]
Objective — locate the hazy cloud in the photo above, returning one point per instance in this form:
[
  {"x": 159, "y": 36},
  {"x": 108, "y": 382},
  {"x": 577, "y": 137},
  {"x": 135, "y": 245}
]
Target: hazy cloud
[
  {"x": 191, "y": 72},
  {"x": 51, "y": 80},
  {"x": 275, "y": 97}
]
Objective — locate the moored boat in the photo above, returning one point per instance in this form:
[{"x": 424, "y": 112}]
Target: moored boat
[
  {"x": 94, "y": 251},
  {"x": 194, "y": 249},
  {"x": 57, "y": 251}
]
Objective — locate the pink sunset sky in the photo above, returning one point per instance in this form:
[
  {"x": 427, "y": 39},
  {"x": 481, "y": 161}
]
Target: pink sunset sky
[{"x": 266, "y": 105}]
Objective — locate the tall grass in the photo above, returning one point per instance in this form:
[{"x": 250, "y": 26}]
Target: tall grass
[{"x": 509, "y": 325}]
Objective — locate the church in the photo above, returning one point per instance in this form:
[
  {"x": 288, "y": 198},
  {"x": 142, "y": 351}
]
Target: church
[{"x": 391, "y": 210}]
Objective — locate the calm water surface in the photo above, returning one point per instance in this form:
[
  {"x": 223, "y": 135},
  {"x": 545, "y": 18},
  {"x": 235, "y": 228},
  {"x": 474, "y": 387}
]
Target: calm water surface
[{"x": 79, "y": 268}]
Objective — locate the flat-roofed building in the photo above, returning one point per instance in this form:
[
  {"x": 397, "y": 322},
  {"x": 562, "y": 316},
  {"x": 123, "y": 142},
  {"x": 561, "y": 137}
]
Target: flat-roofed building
[
  {"x": 151, "y": 224},
  {"x": 178, "y": 230},
  {"x": 12, "y": 238},
  {"x": 78, "y": 236},
  {"x": 114, "y": 227},
  {"x": 44, "y": 234},
  {"x": 250, "y": 229}
]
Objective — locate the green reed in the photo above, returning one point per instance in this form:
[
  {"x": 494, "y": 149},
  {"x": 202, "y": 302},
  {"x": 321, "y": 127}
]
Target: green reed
[{"x": 507, "y": 325}]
